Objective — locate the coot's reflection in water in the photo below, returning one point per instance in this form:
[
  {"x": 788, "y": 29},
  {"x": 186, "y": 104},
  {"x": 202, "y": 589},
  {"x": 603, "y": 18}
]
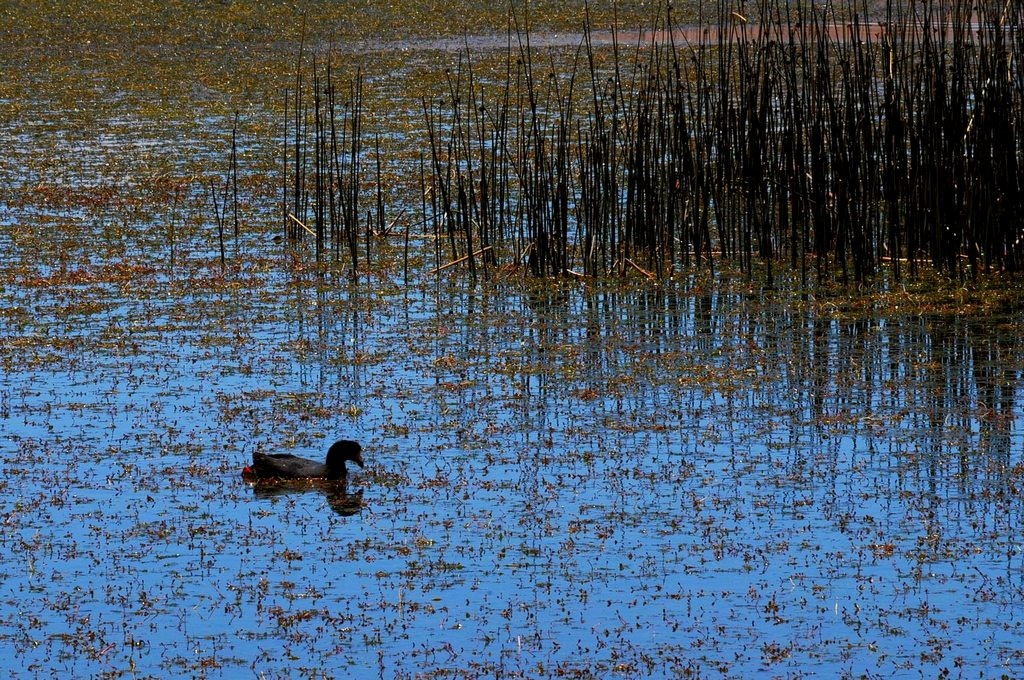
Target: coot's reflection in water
[{"x": 338, "y": 497}]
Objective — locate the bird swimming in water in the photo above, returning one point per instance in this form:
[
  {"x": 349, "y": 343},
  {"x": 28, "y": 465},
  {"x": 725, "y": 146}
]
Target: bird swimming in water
[{"x": 287, "y": 466}]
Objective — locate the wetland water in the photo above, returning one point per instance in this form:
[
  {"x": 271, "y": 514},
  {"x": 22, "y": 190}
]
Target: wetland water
[
  {"x": 701, "y": 477},
  {"x": 629, "y": 482}
]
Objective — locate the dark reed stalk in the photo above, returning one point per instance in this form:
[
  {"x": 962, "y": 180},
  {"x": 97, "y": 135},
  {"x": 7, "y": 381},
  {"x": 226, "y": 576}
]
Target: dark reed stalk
[
  {"x": 331, "y": 168},
  {"x": 381, "y": 228},
  {"x": 435, "y": 218},
  {"x": 286, "y": 222},
  {"x": 298, "y": 189},
  {"x": 408, "y": 225},
  {"x": 338, "y": 197},
  {"x": 219, "y": 217},
  {"x": 171, "y": 238},
  {"x": 319, "y": 166},
  {"x": 234, "y": 178},
  {"x": 355, "y": 175}
]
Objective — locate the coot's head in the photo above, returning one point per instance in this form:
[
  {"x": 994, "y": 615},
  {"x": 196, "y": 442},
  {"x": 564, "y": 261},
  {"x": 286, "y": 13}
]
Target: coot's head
[{"x": 342, "y": 451}]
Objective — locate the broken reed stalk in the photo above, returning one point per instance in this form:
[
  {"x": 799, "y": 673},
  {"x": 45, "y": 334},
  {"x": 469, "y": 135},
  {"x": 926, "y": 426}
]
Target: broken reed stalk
[
  {"x": 464, "y": 258},
  {"x": 301, "y": 224}
]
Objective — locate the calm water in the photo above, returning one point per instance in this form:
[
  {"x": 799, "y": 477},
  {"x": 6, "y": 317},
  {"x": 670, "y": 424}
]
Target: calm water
[{"x": 626, "y": 482}]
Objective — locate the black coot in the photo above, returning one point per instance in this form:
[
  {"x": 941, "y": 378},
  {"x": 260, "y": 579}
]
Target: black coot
[{"x": 287, "y": 466}]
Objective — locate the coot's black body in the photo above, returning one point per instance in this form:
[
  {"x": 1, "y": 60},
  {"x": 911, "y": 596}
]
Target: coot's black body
[{"x": 287, "y": 466}]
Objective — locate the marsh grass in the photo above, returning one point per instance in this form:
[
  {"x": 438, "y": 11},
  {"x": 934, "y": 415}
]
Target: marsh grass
[{"x": 835, "y": 139}]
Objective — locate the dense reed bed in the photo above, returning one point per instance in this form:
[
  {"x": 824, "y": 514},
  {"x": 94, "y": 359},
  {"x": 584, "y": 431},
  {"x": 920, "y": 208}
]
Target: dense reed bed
[
  {"x": 322, "y": 164},
  {"x": 832, "y": 138}
]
